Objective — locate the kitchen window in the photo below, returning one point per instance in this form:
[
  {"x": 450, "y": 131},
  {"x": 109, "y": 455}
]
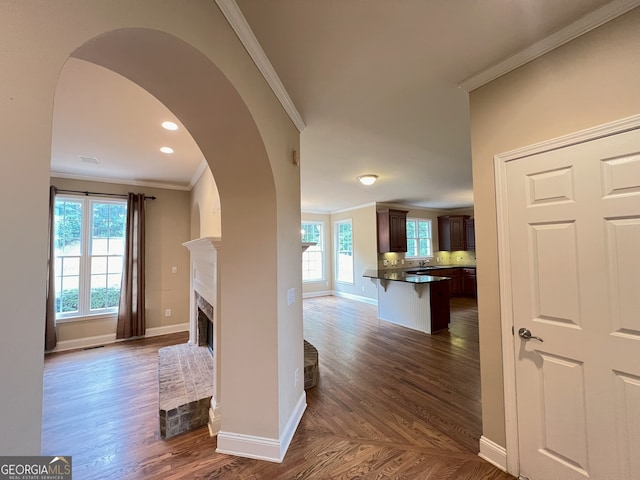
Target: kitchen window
[
  {"x": 418, "y": 238},
  {"x": 312, "y": 257},
  {"x": 344, "y": 251},
  {"x": 89, "y": 246}
]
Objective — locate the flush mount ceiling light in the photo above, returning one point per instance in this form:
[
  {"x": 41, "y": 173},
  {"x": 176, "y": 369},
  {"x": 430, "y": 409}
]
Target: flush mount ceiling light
[
  {"x": 166, "y": 150},
  {"x": 169, "y": 126},
  {"x": 368, "y": 179}
]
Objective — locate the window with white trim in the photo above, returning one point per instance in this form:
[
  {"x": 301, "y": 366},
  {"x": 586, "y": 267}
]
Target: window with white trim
[
  {"x": 419, "y": 238},
  {"x": 312, "y": 257},
  {"x": 89, "y": 247},
  {"x": 344, "y": 251}
]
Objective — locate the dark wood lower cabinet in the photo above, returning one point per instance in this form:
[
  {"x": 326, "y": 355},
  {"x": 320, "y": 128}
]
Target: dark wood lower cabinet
[
  {"x": 463, "y": 280},
  {"x": 469, "y": 285},
  {"x": 455, "y": 284},
  {"x": 440, "y": 309}
]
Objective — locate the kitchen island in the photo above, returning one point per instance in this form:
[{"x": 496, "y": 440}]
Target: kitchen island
[{"x": 416, "y": 301}]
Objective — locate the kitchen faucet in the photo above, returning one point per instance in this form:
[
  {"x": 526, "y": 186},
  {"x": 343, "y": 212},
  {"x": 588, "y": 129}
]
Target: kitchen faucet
[{"x": 424, "y": 263}]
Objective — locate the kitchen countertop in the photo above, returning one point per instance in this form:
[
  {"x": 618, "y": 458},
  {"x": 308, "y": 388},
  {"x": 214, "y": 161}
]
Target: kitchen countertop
[
  {"x": 434, "y": 267},
  {"x": 402, "y": 276}
]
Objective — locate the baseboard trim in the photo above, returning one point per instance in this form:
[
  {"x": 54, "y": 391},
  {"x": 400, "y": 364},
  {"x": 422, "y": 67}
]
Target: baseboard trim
[
  {"x": 292, "y": 424},
  {"x": 323, "y": 293},
  {"x": 86, "y": 342},
  {"x": 357, "y": 298},
  {"x": 99, "y": 340},
  {"x": 167, "y": 329},
  {"x": 493, "y": 453},
  {"x": 261, "y": 448}
]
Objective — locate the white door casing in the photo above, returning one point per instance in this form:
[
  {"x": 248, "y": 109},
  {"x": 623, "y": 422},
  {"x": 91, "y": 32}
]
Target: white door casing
[{"x": 569, "y": 220}]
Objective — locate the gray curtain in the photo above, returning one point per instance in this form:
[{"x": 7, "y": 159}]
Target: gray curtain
[
  {"x": 50, "y": 338},
  {"x": 131, "y": 315}
]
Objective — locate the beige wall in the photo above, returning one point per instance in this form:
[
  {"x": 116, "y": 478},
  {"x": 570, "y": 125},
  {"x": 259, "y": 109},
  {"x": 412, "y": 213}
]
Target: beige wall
[
  {"x": 167, "y": 227},
  {"x": 325, "y": 286},
  {"x": 205, "y": 207},
  {"x": 365, "y": 248},
  {"x": 233, "y": 102},
  {"x": 592, "y": 80}
]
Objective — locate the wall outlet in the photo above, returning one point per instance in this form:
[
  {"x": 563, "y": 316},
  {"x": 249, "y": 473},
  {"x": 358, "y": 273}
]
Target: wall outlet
[
  {"x": 385, "y": 262},
  {"x": 291, "y": 296},
  {"x": 174, "y": 269},
  {"x": 402, "y": 261},
  {"x": 363, "y": 288},
  {"x": 167, "y": 312},
  {"x": 296, "y": 377}
]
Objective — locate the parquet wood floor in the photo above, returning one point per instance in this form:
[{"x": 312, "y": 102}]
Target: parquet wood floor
[{"x": 391, "y": 403}]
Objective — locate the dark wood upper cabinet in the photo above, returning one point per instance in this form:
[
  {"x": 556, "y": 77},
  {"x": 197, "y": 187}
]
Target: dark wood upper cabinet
[
  {"x": 452, "y": 232},
  {"x": 392, "y": 230},
  {"x": 471, "y": 233}
]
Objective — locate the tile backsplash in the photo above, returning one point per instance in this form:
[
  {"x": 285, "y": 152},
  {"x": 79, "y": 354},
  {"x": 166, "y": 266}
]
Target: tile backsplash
[{"x": 395, "y": 260}]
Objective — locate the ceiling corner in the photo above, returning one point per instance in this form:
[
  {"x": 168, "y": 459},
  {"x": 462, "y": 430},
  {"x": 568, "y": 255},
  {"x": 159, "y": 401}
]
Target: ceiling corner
[
  {"x": 239, "y": 24},
  {"x": 581, "y": 26}
]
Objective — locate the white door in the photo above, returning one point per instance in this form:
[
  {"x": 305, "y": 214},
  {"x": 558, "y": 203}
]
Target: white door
[{"x": 574, "y": 237}]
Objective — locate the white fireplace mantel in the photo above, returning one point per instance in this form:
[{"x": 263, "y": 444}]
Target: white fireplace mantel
[{"x": 204, "y": 263}]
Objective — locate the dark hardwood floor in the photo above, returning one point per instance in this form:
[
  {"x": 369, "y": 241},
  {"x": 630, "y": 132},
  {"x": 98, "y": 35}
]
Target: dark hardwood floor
[{"x": 391, "y": 403}]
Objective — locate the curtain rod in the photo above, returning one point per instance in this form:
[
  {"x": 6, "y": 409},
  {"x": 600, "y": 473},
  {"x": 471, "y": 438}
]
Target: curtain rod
[{"x": 121, "y": 195}]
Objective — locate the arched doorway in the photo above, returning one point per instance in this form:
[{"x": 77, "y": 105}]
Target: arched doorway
[
  {"x": 211, "y": 109},
  {"x": 248, "y": 145}
]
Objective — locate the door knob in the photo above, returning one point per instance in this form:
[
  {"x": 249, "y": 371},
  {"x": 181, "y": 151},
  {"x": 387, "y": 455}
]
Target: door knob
[{"x": 526, "y": 334}]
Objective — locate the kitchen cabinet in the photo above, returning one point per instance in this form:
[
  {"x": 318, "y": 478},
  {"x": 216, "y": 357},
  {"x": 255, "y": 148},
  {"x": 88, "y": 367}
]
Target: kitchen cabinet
[
  {"x": 452, "y": 232},
  {"x": 455, "y": 285},
  {"x": 440, "y": 306},
  {"x": 469, "y": 285},
  {"x": 392, "y": 230},
  {"x": 470, "y": 229}
]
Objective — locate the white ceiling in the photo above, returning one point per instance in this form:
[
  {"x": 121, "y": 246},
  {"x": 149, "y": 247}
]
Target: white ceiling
[{"x": 375, "y": 81}]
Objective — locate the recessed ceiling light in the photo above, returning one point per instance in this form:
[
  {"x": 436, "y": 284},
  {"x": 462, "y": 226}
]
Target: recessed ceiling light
[
  {"x": 368, "y": 179},
  {"x": 169, "y": 126},
  {"x": 166, "y": 150}
]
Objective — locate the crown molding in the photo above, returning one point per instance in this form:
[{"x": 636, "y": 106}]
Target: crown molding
[
  {"x": 357, "y": 207},
  {"x": 239, "y": 24},
  {"x": 581, "y": 26},
  {"x": 121, "y": 181},
  {"x": 198, "y": 173}
]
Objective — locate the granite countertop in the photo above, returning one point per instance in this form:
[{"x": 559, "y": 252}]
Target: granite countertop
[
  {"x": 402, "y": 276},
  {"x": 434, "y": 267}
]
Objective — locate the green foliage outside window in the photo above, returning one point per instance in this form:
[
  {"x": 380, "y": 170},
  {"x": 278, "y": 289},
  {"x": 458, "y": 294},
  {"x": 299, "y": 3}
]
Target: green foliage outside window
[{"x": 100, "y": 298}]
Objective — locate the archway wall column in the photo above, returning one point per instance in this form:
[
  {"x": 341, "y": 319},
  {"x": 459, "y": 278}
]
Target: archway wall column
[{"x": 247, "y": 143}]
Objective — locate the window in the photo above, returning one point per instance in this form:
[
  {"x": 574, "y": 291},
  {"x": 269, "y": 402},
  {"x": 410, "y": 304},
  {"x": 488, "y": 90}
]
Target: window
[
  {"x": 344, "y": 251},
  {"x": 89, "y": 247},
  {"x": 312, "y": 263},
  {"x": 418, "y": 238}
]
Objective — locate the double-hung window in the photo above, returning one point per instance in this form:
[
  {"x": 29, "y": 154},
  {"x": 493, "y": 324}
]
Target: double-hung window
[
  {"x": 89, "y": 247},
  {"x": 419, "y": 238},
  {"x": 344, "y": 251},
  {"x": 312, "y": 257}
]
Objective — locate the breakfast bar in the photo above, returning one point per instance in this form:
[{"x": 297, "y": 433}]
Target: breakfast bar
[{"x": 417, "y": 301}]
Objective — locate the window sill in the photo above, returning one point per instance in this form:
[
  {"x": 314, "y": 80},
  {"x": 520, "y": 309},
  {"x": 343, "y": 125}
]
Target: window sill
[{"x": 84, "y": 318}]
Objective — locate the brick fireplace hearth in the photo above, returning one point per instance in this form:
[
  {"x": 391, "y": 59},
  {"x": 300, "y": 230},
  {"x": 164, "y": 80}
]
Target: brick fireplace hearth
[{"x": 185, "y": 376}]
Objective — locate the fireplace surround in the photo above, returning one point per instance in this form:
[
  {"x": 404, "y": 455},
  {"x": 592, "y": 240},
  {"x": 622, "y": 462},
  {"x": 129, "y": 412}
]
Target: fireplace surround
[
  {"x": 204, "y": 327},
  {"x": 204, "y": 322}
]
